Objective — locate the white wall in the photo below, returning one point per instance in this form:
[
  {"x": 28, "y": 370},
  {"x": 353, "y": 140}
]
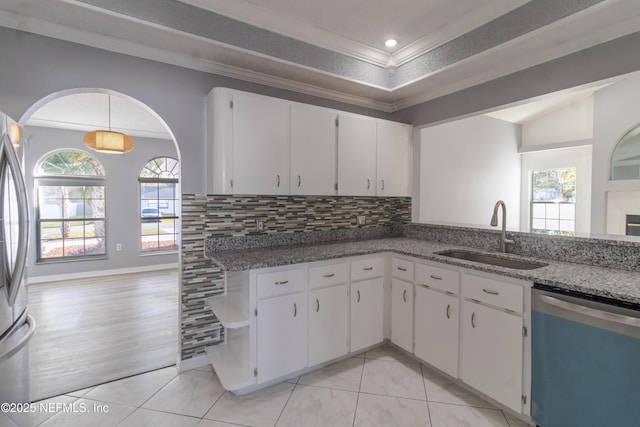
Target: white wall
[
  {"x": 466, "y": 166},
  {"x": 578, "y": 157},
  {"x": 570, "y": 122}
]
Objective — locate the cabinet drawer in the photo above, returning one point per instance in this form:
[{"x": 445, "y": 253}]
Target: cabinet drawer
[
  {"x": 402, "y": 269},
  {"x": 367, "y": 268},
  {"x": 438, "y": 278},
  {"x": 327, "y": 275},
  {"x": 281, "y": 282},
  {"x": 494, "y": 292}
]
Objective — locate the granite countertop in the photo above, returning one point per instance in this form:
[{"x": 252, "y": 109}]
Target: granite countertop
[{"x": 604, "y": 282}]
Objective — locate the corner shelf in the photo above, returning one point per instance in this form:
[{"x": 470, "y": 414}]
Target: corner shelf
[
  {"x": 230, "y": 360},
  {"x": 231, "y": 309}
]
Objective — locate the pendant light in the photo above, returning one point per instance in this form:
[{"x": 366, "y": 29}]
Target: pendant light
[{"x": 107, "y": 141}]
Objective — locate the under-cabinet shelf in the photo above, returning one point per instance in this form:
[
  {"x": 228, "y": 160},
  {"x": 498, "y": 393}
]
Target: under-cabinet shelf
[
  {"x": 230, "y": 360},
  {"x": 231, "y": 309}
]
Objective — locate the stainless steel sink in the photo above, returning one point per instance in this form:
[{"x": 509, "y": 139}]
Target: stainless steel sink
[{"x": 492, "y": 259}]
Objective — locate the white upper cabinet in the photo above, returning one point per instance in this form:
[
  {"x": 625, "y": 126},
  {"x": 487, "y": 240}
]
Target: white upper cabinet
[
  {"x": 260, "y": 145},
  {"x": 356, "y": 156},
  {"x": 393, "y": 166},
  {"x": 313, "y": 150}
]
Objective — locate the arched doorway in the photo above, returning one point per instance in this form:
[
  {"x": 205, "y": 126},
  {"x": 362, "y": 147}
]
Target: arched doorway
[{"x": 111, "y": 313}]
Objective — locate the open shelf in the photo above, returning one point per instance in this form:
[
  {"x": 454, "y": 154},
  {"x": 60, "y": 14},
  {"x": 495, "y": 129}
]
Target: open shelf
[
  {"x": 230, "y": 361},
  {"x": 232, "y": 309}
]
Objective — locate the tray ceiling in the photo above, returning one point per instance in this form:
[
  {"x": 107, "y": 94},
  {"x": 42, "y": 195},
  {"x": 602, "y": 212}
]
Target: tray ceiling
[{"x": 335, "y": 49}]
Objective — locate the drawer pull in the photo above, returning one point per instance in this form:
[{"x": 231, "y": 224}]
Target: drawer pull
[
  {"x": 367, "y": 268},
  {"x": 473, "y": 319},
  {"x": 358, "y": 292},
  {"x": 295, "y": 310},
  {"x": 448, "y": 311},
  {"x": 404, "y": 295},
  {"x": 490, "y": 292},
  {"x": 435, "y": 277},
  {"x": 328, "y": 275},
  {"x": 402, "y": 269},
  {"x": 284, "y": 282},
  {"x": 317, "y": 305}
]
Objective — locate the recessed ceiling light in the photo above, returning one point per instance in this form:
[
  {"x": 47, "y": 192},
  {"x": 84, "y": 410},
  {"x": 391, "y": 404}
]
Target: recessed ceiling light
[{"x": 391, "y": 43}]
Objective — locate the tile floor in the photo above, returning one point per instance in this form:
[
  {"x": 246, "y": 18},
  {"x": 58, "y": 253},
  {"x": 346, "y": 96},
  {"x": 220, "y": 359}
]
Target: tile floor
[{"x": 382, "y": 387}]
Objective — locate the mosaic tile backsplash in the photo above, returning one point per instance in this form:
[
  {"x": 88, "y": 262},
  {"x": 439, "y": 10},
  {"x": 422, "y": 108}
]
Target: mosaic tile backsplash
[{"x": 234, "y": 216}]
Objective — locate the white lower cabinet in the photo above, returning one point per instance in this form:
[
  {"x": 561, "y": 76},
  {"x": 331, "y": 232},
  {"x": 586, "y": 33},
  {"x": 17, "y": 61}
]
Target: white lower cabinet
[
  {"x": 402, "y": 314},
  {"x": 328, "y": 323},
  {"x": 492, "y": 353},
  {"x": 282, "y": 335},
  {"x": 436, "y": 329},
  {"x": 367, "y": 313}
]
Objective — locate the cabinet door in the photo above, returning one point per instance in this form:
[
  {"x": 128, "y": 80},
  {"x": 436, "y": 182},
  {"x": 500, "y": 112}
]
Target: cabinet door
[
  {"x": 402, "y": 314},
  {"x": 356, "y": 156},
  {"x": 282, "y": 335},
  {"x": 393, "y": 143},
  {"x": 436, "y": 329},
  {"x": 260, "y": 145},
  {"x": 328, "y": 323},
  {"x": 367, "y": 306},
  {"x": 492, "y": 350},
  {"x": 313, "y": 150}
]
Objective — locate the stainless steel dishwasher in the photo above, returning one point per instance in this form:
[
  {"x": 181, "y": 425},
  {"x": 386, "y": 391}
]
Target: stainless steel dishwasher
[{"x": 585, "y": 360}]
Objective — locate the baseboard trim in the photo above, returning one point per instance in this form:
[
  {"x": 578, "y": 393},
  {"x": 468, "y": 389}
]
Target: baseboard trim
[
  {"x": 193, "y": 363},
  {"x": 98, "y": 273}
]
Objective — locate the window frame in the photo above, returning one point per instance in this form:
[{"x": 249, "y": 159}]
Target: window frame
[{"x": 547, "y": 203}]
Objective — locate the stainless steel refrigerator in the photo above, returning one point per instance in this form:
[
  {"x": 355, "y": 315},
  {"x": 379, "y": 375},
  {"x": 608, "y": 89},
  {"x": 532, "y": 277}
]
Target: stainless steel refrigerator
[{"x": 16, "y": 325}]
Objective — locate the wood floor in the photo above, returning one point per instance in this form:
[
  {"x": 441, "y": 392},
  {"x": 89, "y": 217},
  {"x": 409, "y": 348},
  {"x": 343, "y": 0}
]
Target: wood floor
[{"x": 90, "y": 331}]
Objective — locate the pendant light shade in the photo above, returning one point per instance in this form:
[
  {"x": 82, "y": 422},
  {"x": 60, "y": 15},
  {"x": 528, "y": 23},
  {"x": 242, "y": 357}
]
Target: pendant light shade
[{"x": 108, "y": 141}]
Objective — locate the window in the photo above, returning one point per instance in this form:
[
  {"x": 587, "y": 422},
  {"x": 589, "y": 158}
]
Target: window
[
  {"x": 70, "y": 214},
  {"x": 159, "y": 227},
  {"x": 553, "y": 204}
]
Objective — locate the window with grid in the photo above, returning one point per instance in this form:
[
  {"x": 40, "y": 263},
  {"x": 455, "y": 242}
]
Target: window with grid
[
  {"x": 553, "y": 204},
  {"x": 159, "y": 203},
  {"x": 70, "y": 206}
]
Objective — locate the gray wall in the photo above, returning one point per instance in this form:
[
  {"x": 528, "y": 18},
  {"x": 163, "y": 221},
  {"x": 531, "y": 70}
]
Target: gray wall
[
  {"x": 34, "y": 67},
  {"x": 122, "y": 199}
]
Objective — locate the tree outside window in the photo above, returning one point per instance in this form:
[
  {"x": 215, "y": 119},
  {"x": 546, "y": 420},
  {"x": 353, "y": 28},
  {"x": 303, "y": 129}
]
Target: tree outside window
[{"x": 553, "y": 205}]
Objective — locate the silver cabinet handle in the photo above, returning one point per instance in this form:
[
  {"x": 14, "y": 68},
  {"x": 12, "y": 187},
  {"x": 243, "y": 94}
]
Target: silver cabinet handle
[
  {"x": 295, "y": 310},
  {"x": 284, "y": 282},
  {"x": 404, "y": 295},
  {"x": 317, "y": 305},
  {"x": 299, "y": 181},
  {"x": 328, "y": 275},
  {"x": 368, "y": 183},
  {"x": 435, "y": 277},
  {"x": 278, "y": 181},
  {"x": 473, "y": 319},
  {"x": 448, "y": 311},
  {"x": 490, "y": 292},
  {"x": 402, "y": 269},
  {"x": 368, "y": 268},
  {"x": 358, "y": 292},
  {"x": 591, "y": 312},
  {"x": 383, "y": 184}
]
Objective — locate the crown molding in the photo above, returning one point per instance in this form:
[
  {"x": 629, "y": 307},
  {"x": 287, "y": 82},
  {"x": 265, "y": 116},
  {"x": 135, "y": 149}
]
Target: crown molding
[{"x": 101, "y": 41}]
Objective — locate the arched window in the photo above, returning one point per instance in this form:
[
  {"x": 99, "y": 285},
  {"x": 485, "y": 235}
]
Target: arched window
[
  {"x": 70, "y": 212},
  {"x": 159, "y": 203}
]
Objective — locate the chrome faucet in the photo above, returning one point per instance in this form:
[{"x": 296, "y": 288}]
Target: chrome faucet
[{"x": 494, "y": 223}]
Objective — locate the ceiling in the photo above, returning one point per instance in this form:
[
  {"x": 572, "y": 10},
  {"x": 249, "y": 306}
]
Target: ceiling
[{"x": 335, "y": 48}]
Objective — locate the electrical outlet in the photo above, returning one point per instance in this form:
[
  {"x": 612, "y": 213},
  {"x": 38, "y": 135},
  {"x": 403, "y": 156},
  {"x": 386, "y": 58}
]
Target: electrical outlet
[
  {"x": 259, "y": 225},
  {"x": 361, "y": 219},
  {"x": 118, "y": 247}
]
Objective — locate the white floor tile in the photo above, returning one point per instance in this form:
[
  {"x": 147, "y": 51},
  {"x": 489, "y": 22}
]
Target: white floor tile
[
  {"x": 317, "y": 406},
  {"x": 133, "y": 391},
  {"x": 344, "y": 375},
  {"x": 191, "y": 393},
  {"x": 384, "y": 411},
  {"x": 6, "y": 421},
  {"x": 445, "y": 415},
  {"x": 393, "y": 379},
  {"x": 149, "y": 418},
  {"x": 80, "y": 393},
  {"x": 443, "y": 390},
  {"x": 389, "y": 353},
  {"x": 514, "y": 422},
  {"x": 46, "y": 409},
  {"x": 211, "y": 423},
  {"x": 86, "y": 412},
  {"x": 260, "y": 408}
]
